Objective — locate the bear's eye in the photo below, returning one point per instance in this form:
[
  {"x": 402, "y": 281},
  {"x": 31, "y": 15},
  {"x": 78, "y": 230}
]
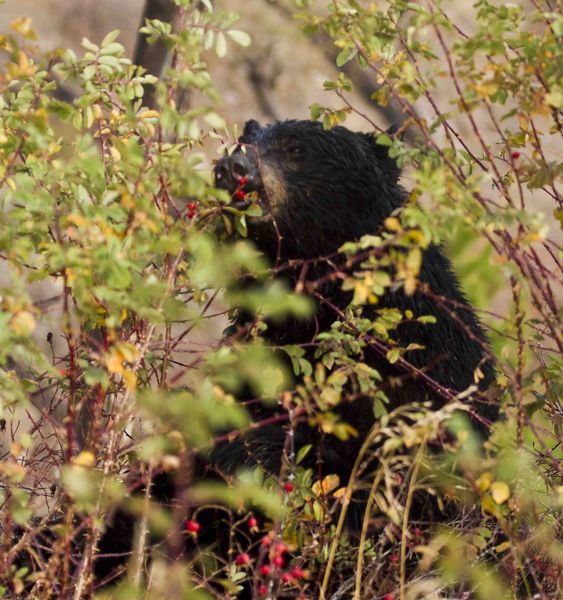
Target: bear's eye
[{"x": 295, "y": 150}]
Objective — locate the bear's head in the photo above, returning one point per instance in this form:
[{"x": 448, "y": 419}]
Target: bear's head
[{"x": 317, "y": 188}]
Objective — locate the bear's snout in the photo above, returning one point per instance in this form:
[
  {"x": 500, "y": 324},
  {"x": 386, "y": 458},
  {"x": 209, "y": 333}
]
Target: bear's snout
[{"x": 237, "y": 171}]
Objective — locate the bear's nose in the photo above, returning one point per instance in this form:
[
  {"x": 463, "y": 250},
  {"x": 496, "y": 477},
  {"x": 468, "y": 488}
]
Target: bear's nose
[{"x": 230, "y": 170}]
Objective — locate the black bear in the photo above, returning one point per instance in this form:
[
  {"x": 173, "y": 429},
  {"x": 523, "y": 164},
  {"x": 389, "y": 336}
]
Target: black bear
[{"x": 319, "y": 189}]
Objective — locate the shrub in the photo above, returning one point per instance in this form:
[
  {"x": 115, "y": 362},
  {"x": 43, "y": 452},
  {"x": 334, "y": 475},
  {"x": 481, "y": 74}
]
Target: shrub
[{"x": 105, "y": 383}]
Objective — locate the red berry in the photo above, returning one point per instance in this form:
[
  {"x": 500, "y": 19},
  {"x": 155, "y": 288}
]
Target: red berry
[
  {"x": 239, "y": 194},
  {"x": 297, "y": 573},
  {"x": 242, "y": 181},
  {"x": 288, "y": 487},
  {"x": 191, "y": 214},
  {"x": 252, "y": 522},
  {"x": 266, "y": 540},
  {"x": 262, "y": 589},
  {"x": 280, "y": 548},
  {"x": 417, "y": 532},
  {"x": 287, "y": 578},
  {"x": 388, "y": 597},
  {"x": 278, "y": 561},
  {"x": 394, "y": 557},
  {"x": 515, "y": 155},
  {"x": 192, "y": 205},
  {"x": 193, "y": 526},
  {"x": 242, "y": 559},
  {"x": 265, "y": 570}
]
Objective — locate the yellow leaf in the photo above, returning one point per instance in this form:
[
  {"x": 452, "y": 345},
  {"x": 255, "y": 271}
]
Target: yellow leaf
[
  {"x": 127, "y": 201},
  {"x": 418, "y": 237},
  {"x": 392, "y": 224},
  {"x": 23, "y": 27},
  {"x": 502, "y": 547},
  {"x": 484, "y": 482},
  {"x": 324, "y": 487},
  {"x": 410, "y": 285},
  {"x": 114, "y": 362},
  {"x": 500, "y": 492},
  {"x": 339, "y": 492},
  {"x": 523, "y": 122},
  {"x": 115, "y": 154},
  {"x": 414, "y": 260},
  {"x": 85, "y": 459},
  {"x": 381, "y": 329},
  {"x": 555, "y": 98},
  {"x": 23, "y": 322},
  {"x": 53, "y": 148},
  {"x": 360, "y": 293},
  {"x": 15, "y": 448},
  {"x": 477, "y": 375},
  {"x": 149, "y": 114},
  {"x": 128, "y": 352},
  {"x": 487, "y": 89},
  {"x": 97, "y": 110},
  {"x": 489, "y": 506},
  {"x": 130, "y": 380},
  {"x": 70, "y": 276}
]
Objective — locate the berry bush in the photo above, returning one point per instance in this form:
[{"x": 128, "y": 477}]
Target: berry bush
[{"x": 119, "y": 262}]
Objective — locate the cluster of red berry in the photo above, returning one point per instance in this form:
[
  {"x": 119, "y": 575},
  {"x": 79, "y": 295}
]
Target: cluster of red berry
[
  {"x": 277, "y": 551},
  {"x": 192, "y": 208},
  {"x": 277, "y": 562},
  {"x": 239, "y": 193}
]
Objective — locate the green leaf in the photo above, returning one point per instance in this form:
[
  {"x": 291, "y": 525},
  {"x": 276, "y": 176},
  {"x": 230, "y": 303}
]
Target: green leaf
[
  {"x": 393, "y": 355},
  {"x": 88, "y": 45},
  {"x": 215, "y": 121},
  {"x": 208, "y": 39},
  {"x": 240, "y": 37},
  {"x": 119, "y": 277},
  {"x": 113, "y": 49},
  {"x": 110, "y": 37},
  {"x": 383, "y": 139},
  {"x": 426, "y": 319},
  {"x": 220, "y": 45},
  {"x": 346, "y": 55},
  {"x": 240, "y": 221},
  {"x": 302, "y": 453}
]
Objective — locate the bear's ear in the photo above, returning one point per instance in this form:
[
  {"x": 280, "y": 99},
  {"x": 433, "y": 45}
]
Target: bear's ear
[
  {"x": 388, "y": 165},
  {"x": 251, "y": 128}
]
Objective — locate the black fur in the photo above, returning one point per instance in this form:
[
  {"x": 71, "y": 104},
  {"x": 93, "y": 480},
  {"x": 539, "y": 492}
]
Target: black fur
[{"x": 321, "y": 189}]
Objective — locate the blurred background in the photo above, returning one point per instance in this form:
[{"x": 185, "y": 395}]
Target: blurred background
[{"x": 279, "y": 76}]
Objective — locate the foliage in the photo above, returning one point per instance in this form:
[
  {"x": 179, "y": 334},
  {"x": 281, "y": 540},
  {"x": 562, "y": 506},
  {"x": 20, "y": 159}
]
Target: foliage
[{"x": 106, "y": 382}]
